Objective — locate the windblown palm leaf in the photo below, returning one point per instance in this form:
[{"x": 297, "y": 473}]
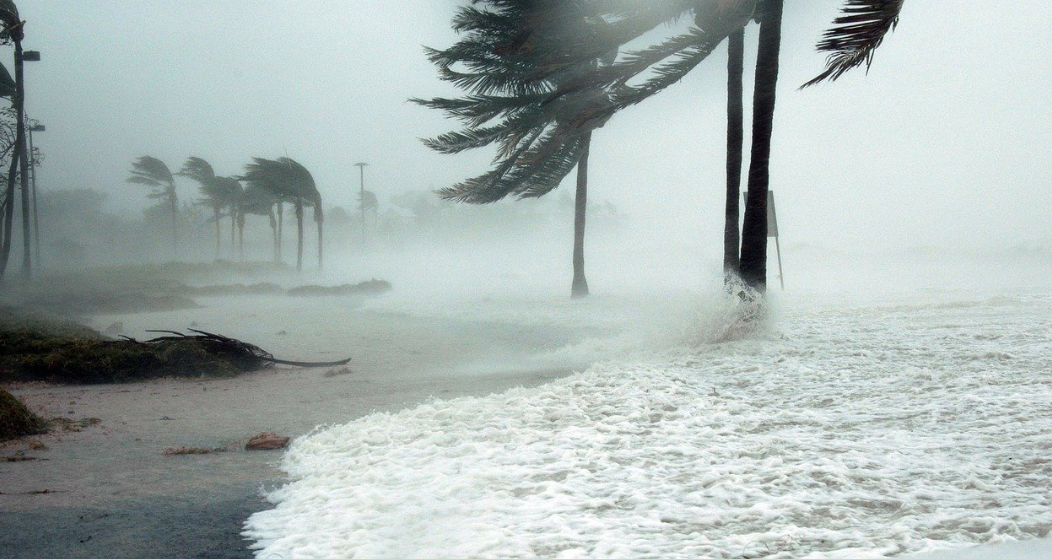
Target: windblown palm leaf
[
  {"x": 11, "y": 21},
  {"x": 856, "y": 35},
  {"x": 7, "y": 83},
  {"x": 535, "y": 88},
  {"x": 151, "y": 171}
]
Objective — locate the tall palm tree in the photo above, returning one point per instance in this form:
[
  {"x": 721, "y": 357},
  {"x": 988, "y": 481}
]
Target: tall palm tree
[
  {"x": 151, "y": 171},
  {"x": 287, "y": 180},
  {"x": 542, "y": 126},
  {"x": 534, "y": 140}
]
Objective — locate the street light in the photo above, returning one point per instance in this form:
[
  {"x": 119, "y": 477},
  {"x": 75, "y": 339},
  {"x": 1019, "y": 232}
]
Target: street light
[
  {"x": 361, "y": 195},
  {"x": 33, "y": 178}
]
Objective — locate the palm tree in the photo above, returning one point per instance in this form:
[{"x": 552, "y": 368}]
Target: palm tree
[
  {"x": 287, "y": 180},
  {"x": 534, "y": 140},
  {"x": 151, "y": 171},
  {"x": 544, "y": 121}
]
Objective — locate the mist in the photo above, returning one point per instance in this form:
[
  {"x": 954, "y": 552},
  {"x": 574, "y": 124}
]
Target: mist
[{"x": 427, "y": 383}]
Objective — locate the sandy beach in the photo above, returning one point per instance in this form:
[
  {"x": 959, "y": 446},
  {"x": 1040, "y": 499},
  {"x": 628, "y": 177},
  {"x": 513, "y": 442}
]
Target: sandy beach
[{"x": 108, "y": 489}]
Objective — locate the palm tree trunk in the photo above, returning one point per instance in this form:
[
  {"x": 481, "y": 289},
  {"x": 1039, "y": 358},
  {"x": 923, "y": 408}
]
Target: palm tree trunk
[
  {"x": 281, "y": 231},
  {"x": 735, "y": 135},
  {"x": 174, "y": 203},
  {"x": 274, "y": 232},
  {"x": 9, "y": 211},
  {"x": 241, "y": 235},
  {"x": 320, "y": 221},
  {"x": 579, "y": 288},
  {"x": 754, "y": 228},
  {"x": 219, "y": 230},
  {"x": 233, "y": 231},
  {"x": 299, "y": 235}
]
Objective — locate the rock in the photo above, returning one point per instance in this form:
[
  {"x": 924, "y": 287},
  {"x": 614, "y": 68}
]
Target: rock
[{"x": 267, "y": 441}]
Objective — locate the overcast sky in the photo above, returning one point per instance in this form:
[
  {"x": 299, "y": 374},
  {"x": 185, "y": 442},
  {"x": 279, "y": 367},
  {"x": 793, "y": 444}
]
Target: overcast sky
[{"x": 946, "y": 140}]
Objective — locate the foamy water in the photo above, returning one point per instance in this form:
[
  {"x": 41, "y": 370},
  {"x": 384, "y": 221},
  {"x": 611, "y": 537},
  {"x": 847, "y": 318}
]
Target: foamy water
[{"x": 844, "y": 431}]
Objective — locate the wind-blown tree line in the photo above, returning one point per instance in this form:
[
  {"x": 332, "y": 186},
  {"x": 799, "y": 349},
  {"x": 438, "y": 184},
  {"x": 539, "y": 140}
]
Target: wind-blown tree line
[
  {"x": 270, "y": 184},
  {"x": 535, "y": 91}
]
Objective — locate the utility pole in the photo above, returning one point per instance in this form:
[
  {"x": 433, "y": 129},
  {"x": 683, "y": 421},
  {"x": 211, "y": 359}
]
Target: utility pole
[
  {"x": 33, "y": 182},
  {"x": 361, "y": 194}
]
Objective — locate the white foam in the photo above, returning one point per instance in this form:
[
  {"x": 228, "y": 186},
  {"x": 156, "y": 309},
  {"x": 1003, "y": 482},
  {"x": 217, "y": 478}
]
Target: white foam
[{"x": 848, "y": 432}]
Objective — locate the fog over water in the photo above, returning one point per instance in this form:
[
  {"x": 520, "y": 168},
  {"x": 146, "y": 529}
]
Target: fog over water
[{"x": 939, "y": 151}]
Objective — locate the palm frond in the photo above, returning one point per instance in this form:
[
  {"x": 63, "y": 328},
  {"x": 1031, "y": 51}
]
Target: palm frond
[
  {"x": 152, "y": 172},
  {"x": 856, "y": 35}
]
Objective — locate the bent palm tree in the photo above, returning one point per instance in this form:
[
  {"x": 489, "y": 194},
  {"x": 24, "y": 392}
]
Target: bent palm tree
[
  {"x": 201, "y": 171},
  {"x": 287, "y": 180},
  {"x": 13, "y": 31},
  {"x": 151, "y": 171}
]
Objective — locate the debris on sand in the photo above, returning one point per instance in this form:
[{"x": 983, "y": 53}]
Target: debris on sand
[
  {"x": 267, "y": 441},
  {"x": 16, "y": 420},
  {"x": 187, "y": 450},
  {"x": 37, "y": 349}
]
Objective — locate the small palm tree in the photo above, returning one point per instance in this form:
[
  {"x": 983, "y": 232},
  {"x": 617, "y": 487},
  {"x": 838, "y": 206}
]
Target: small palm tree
[
  {"x": 201, "y": 171},
  {"x": 152, "y": 172}
]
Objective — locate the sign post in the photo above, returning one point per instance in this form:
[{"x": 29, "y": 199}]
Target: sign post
[{"x": 772, "y": 231}]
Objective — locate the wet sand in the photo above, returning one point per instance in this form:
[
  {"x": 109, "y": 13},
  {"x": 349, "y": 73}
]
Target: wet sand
[{"x": 110, "y": 490}]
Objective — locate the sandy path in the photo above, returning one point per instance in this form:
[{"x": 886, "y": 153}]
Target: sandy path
[{"x": 112, "y": 493}]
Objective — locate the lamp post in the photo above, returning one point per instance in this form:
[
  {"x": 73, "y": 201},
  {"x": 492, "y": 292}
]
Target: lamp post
[
  {"x": 361, "y": 194},
  {"x": 33, "y": 185}
]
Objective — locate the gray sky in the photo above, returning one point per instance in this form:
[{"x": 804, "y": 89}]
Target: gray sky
[{"x": 946, "y": 140}]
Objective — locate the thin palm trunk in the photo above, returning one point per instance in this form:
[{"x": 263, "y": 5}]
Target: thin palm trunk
[
  {"x": 735, "y": 135},
  {"x": 233, "y": 231},
  {"x": 241, "y": 235},
  {"x": 579, "y": 288},
  {"x": 281, "y": 231},
  {"x": 299, "y": 235},
  {"x": 274, "y": 232},
  {"x": 219, "y": 229},
  {"x": 754, "y": 228},
  {"x": 9, "y": 210},
  {"x": 173, "y": 202},
  {"x": 320, "y": 223}
]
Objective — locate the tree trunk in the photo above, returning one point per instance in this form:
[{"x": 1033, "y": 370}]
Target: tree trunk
[
  {"x": 274, "y": 232},
  {"x": 320, "y": 221},
  {"x": 9, "y": 211},
  {"x": 23, "y": 162},
  {"x": 754, "y": 228},
  {"x": 735, "y": 135},
  {"x": 233, "y": 232},
  {"x": 579, "y": 288},
  {"x": 281, "y": 231},
  {"x": 299, "y": 235},
  {"x": 241, "y": 235},
  {"x": 174, "y": 203},
  {"x": 219, "y": 229}
]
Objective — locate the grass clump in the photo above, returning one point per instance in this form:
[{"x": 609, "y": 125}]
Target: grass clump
[
  {"x": 16, "y": 420},
  {"x": 38, "y": 349}
]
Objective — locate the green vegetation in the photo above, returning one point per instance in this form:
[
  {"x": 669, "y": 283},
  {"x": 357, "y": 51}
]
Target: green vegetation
[
  {"x": 16, "y": 420},
  {"x": 33, "y": 348}
]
